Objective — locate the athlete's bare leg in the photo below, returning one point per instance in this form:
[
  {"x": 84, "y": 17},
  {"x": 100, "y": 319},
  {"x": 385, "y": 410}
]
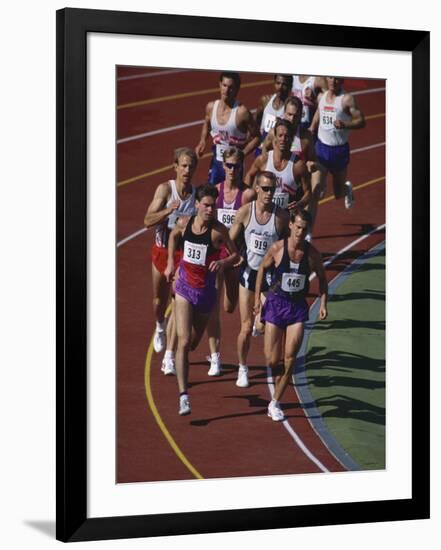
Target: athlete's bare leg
[
  {"x": 161, "y": 292},
  {"x": 200, "y": 322},
  {"x": 318, "y": 189},
  {"x": 172, "y": 338},
  {"x": 184, "y": 322},
  {"x": 231, "y": 294},
  {"x": 246, "y": 302},
  {"x": 338, "y": 180},
  {"x": 293, "y": 341},
  {"x": 273, "y": 345},
  {"x": 213, "y": 326}
]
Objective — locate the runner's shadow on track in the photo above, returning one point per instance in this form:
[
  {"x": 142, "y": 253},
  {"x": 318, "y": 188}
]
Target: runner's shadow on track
[
  {"x": 254, "y": 400},
  {"x": 368, "y": 294},
  {"x": 344, "y": 407},
  {"x": 350, "y": 324},
  {"x": 229, "y": 375},
  {"x": 364, "y": 229}
]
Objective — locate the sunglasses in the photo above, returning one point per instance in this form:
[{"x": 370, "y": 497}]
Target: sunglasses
[
  {"x": 267, "y": 189},
  {"x": 233, "y": 165}
]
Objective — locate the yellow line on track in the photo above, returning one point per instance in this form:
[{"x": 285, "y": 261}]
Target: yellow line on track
[
  {"x": 371, "y": 117},
  {"x": 157, "y": 416},
  {"x": 366, "y": 184},
  {"x": 187, "y": 94}
]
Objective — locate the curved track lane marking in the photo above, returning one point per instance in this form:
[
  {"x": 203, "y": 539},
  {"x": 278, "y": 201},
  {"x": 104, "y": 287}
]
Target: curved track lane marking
[
  {"x": 322, "y": 201},
  {"x": 157, "y": 416},
  {"x": 187, "y": 94},
  {"x": 298, "y": 377}
]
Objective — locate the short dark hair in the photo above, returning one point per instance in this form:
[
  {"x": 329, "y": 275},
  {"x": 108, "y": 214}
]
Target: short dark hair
[
  {"x": 235, "y": 77},
  {"x": 287, "y": 77},
  {"x": 206, "y": 190},
  {"x": 285, "y": 124},
  {"x": 301, "y": 213},
  {"x": 294, "y": 100}
]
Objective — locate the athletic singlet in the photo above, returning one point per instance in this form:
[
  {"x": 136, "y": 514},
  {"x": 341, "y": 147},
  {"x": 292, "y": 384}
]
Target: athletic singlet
[
  {"x": 298, "y": 89},
  {"x": 269, "y": 117},
  {"x": 226, "y": 134},
  {"x": 186, "y": 208},
  {"x": 198, "y": 253},
  {"x": 259, "y": 237},
  {"x": 286, "y": 184},
  {"x": 226, "y": 211},
  {"x": 329, "y": 112},
  {"x": 289, "y": 279},
  {"x": 296, "y": 146}
]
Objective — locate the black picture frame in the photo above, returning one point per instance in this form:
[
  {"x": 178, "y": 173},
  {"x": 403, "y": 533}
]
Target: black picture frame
[{"x": 72, "y": 523}]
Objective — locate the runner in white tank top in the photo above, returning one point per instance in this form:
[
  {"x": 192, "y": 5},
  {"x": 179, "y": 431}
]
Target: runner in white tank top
[
  {"x": 229, "y": 123},
  {"x": 305, "y": 88},
  {"x": 260, "y": 224},
  {"x": 271, "y": 108},
  {"x": 336, "y": 115},
  {"x": 172, "y": 199}
]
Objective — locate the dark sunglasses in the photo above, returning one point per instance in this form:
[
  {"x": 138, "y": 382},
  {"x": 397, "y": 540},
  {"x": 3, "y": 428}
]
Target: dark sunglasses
[
  {"x": 267, "y": 189},
  {"x": 232, "y": 165}
]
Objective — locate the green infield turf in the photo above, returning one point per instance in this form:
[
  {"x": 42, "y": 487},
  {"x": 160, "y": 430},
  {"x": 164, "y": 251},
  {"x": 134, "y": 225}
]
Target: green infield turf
[{"x": 345, "y": 365}]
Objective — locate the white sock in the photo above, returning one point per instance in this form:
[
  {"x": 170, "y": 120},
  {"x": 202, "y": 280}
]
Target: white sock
[
  {"x": 215, "y": 355},
  {"x": 243, "y": 366},
  {"x": 169, "y": 354},
  {"x": 160, "y": 326}
]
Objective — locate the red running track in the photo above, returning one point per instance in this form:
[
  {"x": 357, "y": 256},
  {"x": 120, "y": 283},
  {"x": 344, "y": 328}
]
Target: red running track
[{"x": 228, "y": 433}]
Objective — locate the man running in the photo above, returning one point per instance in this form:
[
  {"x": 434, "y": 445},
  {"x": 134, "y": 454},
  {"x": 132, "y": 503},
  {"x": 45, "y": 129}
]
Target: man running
[
  {"x": 307, "y": 88},
  {"x": 271, "y": 107},
  {"x": 202, "y": 238},
  {"x": 259, "y": 223},
  {"x": 229, "y": 123},
  {"x": 233, "y": 193},
  {"x": 286, "y": 166},
  {"x": 336, "y": 115},
  {"x": 172, "y": 199},
  {"x": 285, "y": 309}
]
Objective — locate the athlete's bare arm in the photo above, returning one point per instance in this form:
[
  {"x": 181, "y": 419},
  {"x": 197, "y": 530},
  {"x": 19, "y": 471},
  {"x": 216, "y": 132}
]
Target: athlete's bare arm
[
  {"x": 316, "y": 119},
  {"x": 267, "y": 262},
  {"x": 260, "y": 108},
  {"x": 249, "y": 195},
  {"x": 156, "y": 212},
  {"x": 256, "y": 167},
  {"x": 357, "y": 117},
  {"x": 173, "y": 241},
  {"x": 247, "y": 124},
  {"x": 268, "y": 142},
  {"x": 316, "y": 264},
  {"x": 206, "y": 127},
  {"x": 220, "y": 237},
  {"x": 282, "y": 222},
  {"x": 240, "y": 222},
  {"x": 301, "y": 173}
]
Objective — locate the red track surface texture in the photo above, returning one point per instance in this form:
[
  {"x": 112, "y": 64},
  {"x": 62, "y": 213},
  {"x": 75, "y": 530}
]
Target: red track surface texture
[{"x": 228, "y": 433}]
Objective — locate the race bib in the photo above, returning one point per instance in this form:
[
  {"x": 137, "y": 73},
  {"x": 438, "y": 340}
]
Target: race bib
[
  {"x": 220, "y": 148},
  {"x": 281, "y": 199},
  {"x": 226, "y": 216},
  {"x": 195, "y": 253},
  {"x": 269, "y": 122},
  {"x": 293, "y": 282},
  {"x": 328, "y": 116},
  {"x": 260, "y": 244}
]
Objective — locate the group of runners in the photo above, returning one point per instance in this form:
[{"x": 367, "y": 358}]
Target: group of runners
[{"x": 245, "y": 239}]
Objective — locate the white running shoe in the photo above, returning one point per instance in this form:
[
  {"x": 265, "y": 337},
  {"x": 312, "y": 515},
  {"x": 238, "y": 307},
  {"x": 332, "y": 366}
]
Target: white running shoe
[
  {"x": 242, "y": 378},
  {"x": 215, "y": 365},
  {"x": 159, "y": 340},
  {"x": 275, "y": 412},
  {"x": 349, "y": 196},
  {"x": 168, "y": 366},
  {"x": 184, "y": 405},
  {"x": 256, "y": 332}
]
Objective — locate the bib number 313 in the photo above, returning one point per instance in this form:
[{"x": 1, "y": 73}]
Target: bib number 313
[{"x": 195, "y": 253}]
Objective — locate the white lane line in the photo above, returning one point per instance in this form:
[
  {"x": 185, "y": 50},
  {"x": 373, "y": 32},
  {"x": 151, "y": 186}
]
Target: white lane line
[
  {"x": 195, "y": 123},
  {"x": 360, "y": 149},
  {"x": 160, "y": 131},
  {"x": 132, "y": 236},
  {"x": 368, "y": 91},
  {"x": 349, "y": 246},
  {"x": 297, "y": 439},
  {"x": 150, "y": 75},
  {"x": 270, "y": 380}
]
